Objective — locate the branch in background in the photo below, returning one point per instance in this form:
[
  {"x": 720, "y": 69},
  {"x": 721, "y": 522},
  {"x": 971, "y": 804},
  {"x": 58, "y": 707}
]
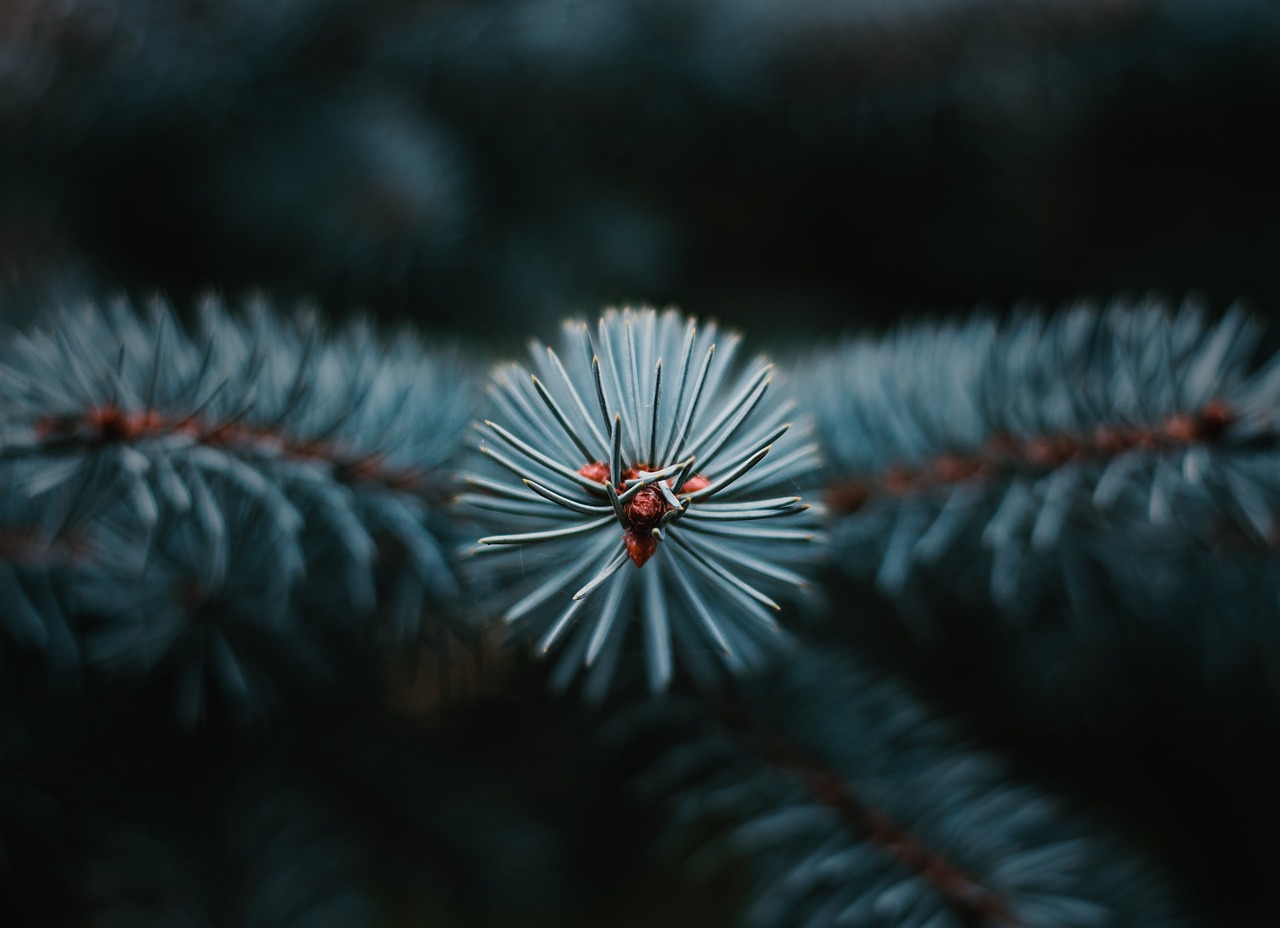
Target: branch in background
[
  {"x": 851, "y": 804},
  {"x": 205, "y": 473},
  {"x": 1107, "y": 474}
]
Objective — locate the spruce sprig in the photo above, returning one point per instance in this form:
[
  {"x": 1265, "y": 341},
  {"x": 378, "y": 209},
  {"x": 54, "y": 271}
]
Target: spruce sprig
[{"x": 655, "y": 478}]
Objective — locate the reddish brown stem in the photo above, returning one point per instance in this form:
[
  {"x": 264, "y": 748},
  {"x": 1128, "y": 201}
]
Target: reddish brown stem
[
  {"x": 961, "y": 890},
  {"x": 109, "y": 424},
  {"x": 1003, "y": 454},
  {"x": 30, "y": 547}
]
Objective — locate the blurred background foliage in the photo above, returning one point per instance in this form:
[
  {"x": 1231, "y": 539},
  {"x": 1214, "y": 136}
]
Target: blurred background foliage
[{"x": 491, "y": 165}]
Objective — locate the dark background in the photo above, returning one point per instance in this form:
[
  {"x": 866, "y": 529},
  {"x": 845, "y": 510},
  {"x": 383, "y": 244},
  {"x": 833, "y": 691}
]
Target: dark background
[{"x": 489, "y": 166}]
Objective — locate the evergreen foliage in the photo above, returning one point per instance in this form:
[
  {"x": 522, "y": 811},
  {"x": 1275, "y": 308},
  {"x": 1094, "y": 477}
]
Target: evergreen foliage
[
  {"x": 648, "y": 426},
  {"x": 1102, "y": 482},
  {"x": 1052, "y": 444},
  {"x": 969, "y": 621},
  {"x": 215, "y": 499},
  {"x": 853, "y": 804},
  {"x": 237, "y": 514}
]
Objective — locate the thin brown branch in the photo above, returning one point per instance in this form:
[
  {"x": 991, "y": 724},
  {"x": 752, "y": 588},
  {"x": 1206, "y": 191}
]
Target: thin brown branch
[
  {"x": 109, "y": 424},
  {"x": 1005, "y": 454},
  {"x": 961, "y": 890},
  {"x": 31, "y": 547}
]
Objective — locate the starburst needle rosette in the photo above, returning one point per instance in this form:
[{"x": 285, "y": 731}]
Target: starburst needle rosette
[{"x": 654, "y": 478}]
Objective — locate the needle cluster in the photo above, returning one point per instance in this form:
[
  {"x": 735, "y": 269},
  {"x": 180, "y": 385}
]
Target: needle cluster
[{"x": 652, "y": 470}]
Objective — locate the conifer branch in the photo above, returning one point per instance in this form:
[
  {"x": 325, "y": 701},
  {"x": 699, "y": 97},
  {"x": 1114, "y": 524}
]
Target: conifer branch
[
  {"x": 203, "y": 472},
  {"x": 963, "y": 894},
  {"x": 852, "y": 804},
  {"x": 677, "y": 435},
  {"x": 1023, "y": 449}
]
